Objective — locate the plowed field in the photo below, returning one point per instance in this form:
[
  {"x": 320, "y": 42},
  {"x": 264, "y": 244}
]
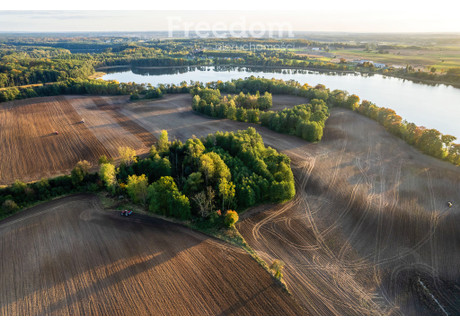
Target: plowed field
[
  {"x": 71, "y": 257},
  {"x": 369, "y": 231}
]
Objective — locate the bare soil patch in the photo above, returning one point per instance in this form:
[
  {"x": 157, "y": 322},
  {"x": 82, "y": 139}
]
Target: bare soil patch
[{"x": 286, "y": 101}]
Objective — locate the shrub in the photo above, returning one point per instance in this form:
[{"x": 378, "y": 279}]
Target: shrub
[
  {"x": 231, "y": 217},
  {"x": 80, "y": 171},
  {"x": 10, "y": 206},
  {"x": 277, "y": 268}
]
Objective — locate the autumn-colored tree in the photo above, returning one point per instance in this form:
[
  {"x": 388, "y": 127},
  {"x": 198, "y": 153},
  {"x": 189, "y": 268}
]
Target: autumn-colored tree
[
  {"x": 231, "y": 217},
  {"x": 127, "y": 155},
  {"x": 108, "y": 174}
]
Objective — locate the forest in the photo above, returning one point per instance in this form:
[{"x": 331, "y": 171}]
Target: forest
[
  {"x": 202, "y": 180},
  {"x": 25, "y": 61}
]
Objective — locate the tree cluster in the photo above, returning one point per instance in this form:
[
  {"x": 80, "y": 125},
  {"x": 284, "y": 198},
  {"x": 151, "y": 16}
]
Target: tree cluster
[
  {"x": 306, "y": 121},
  {"x": 204, "y": 180}
]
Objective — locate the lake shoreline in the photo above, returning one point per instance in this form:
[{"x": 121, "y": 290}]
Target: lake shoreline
[
  {"x": 413, "y": 101},
  {"x": 326, "y": 71}
]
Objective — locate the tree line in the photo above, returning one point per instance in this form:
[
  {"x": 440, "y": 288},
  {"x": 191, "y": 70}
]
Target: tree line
[
  {"x": 91, "y": 87},
  {"x": 429, "y": 141}
]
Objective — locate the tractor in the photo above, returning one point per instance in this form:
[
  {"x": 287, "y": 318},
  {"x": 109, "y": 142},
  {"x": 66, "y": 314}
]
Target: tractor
[{"x": 126, "y": 213}]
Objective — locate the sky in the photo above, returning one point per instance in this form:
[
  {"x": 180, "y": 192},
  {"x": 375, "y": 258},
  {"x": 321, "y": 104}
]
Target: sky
[{"x": 330, "y": 16}]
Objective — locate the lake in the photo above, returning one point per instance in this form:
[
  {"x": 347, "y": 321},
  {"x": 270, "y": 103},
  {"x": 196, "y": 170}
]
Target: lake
[{"x": 432, "y": 106}]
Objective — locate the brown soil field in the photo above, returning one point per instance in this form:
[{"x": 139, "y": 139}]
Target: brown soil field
[
  {"x": 71, "y": 257},
  {"x": 30, "y": 149},
  {"x": 369, "y": 221},
  {"x": 283, "y": 101},
  {"x": 369, "y": 231}
]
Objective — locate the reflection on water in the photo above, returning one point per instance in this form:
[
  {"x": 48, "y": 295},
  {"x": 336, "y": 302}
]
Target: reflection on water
[{"x": 426, "y": 105}]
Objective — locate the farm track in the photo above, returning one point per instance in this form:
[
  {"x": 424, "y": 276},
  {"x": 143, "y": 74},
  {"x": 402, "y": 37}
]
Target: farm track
[
  {"x": 368, "y": 220},
  {"x": 71, "y": 257}
]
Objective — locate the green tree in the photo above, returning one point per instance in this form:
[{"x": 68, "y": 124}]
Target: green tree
[
  {"x": 194, "y": 149},
  {"x": 226, "y": 191},
  {"x": 163, "y": 142},
  {"x": 165, "y": 198},
  {"x": 18, "y": 188},
  {"x": 104, "y": 160},
  {"x": 265, "y": 102},
  {"x": 194, "y": 183},
  {"x": 207, "y": 167},
  {"x": 80, "y": 171},
  {"x": 231, "y": 112},
  {"x": 108, "y": 175},
  {"x": 137, "y": 188},
  {"x": 213, "y": 168},
  {"x": 153, "y": 151},
  {"x": 196, "y": 102}
]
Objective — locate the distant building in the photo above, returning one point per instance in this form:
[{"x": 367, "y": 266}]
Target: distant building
[
  {"x": 379, "y": 65},
  {"x": 315, "y": 49}
]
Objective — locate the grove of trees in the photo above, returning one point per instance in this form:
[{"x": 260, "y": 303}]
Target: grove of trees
[
  {"x": 206, "y": 179},
  {"x": 306, "y": 121},
  {"x": 202, "y": 180}
]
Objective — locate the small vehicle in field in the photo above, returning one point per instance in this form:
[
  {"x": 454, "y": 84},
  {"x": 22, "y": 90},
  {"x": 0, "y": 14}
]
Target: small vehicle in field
[
  {"x": 449, "y": 204},
  {"x": 56, "y": 132},
  {"x": 126, "y": 213}
]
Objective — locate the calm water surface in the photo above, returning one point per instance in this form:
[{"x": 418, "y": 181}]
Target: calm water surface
[{"x": 426, "y": 105}]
